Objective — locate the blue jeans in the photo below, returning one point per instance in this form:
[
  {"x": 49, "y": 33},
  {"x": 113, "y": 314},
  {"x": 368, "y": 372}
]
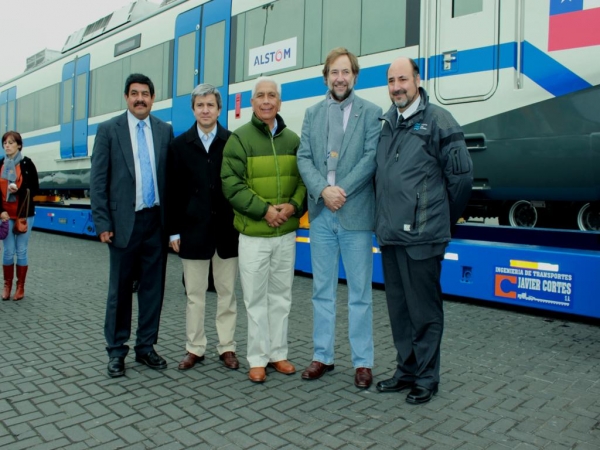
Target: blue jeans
[
  {"x": 328, "y": 239},
  {"x": 16, "y": 243}
]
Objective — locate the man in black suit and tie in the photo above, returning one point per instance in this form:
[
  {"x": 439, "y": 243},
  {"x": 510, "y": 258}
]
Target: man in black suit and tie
[{"x": 127, "y": 189}]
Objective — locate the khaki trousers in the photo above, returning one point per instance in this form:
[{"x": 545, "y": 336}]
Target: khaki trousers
[
  {"x": 267, "y": 273},
  {"x": 196, "y": 273}
]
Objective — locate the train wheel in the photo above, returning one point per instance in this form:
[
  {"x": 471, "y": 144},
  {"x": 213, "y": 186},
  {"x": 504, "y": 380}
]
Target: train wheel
[
  {"x": 522, "y": 214},
  {"x": 588, "y": 218}
]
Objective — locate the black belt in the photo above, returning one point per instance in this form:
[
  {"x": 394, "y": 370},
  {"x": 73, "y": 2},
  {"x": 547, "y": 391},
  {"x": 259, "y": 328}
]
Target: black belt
[{"x": 154, "y": 209}]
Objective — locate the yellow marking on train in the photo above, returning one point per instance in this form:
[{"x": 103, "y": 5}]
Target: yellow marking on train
[{"x": 534, "y": 265}]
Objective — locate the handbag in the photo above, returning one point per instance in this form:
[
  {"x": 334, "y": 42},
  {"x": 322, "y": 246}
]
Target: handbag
[
  {"x": 3, "y": 230},
  {"x": 20, "y": 226}
]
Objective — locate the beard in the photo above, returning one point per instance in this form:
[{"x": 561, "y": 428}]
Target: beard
[
  {"x": 344, "y": 96},
  {"x": 403, "y": 103}
]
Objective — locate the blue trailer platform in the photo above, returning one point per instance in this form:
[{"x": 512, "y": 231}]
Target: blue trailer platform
[
  {"x": 553, "y": 270},
  {"x": 65, "y": 220}
]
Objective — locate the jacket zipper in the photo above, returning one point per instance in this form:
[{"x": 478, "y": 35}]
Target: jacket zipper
[
  {"x": 277, "y": 171},
  {"x": 416, "y": 212}
]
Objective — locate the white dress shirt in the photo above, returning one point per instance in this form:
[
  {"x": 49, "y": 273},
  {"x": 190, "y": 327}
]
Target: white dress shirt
[{"x": 207, "y": 138}]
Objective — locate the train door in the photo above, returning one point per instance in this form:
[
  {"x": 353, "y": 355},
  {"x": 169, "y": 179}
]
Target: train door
[
  {"x": 214, "y": 58},
  {"x": 466, "y": 49},
  {"x": 74, "y": 108},
  {"x": 201, "y": 56},
  {"x": 8, "y": 111}
]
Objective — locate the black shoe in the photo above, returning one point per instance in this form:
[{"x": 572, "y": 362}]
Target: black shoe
[
  {"x": 116, "y": 367},
  {"x": 152, "y": 360},
  {"x": 393, "y": 385},
  {"x": 419, "y": 394}
]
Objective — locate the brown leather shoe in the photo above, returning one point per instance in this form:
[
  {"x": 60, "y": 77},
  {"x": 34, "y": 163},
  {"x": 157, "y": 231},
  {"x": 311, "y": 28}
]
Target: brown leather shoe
[
  {"x": 363, "y": 378},
  {"x": 229, "y": 360},
  {"x": 283, "y": 366},
  {"x": 316, "y": 370},
  {"x": 189, "y": 361},
  {"x": 257, "y": 374}
]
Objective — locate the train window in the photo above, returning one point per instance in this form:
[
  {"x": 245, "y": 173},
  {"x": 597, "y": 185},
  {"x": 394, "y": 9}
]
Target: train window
[
  {"x": 107, "y": 89},
  {"x": 465, "y": 7},
  {"x": 80, "y": 96},
  {"x": 38, "y": 110},
  {"x": 362, "y": 26},
  {"x": 46, "y": 107},
  {"x": 3, "y": 119},
  {"x": 273, "y": 23},
  {"x": 11, "y": 125},
  {"x": 25, "y": 118},
  {"x": 152, "y": 63},
  {"x": 236, "y": 62},
  {"x": 341, "y": 22},
  {"x": 185, "y": 63},
  {"x": 107, "y": 82},
  {"x": 383, "y": 25},
  {"x": 312, "y": 32},
  {"x": 214, "y": 54},
  {"x": 67, "y": 100}
]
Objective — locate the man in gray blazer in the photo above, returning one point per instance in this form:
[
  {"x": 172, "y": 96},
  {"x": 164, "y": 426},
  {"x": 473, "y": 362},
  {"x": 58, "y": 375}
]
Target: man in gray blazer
[
  {"x": 127, "y": 190},
  {"x": 337, "y": 162}
]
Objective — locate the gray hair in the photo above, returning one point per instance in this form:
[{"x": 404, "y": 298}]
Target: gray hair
[
  {"x": 202, "y": 90},
  {"x": 269, "y": 80}
]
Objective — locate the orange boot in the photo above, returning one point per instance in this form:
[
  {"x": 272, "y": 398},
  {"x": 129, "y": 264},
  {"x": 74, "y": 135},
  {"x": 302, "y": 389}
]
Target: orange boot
[
  {"x": 9, "y": 274},
  {"x": 21, "y": 275}
]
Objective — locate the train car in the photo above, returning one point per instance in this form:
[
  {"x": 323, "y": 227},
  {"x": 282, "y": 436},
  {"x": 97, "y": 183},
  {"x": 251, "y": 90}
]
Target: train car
[{"x": 521, "y": 77}]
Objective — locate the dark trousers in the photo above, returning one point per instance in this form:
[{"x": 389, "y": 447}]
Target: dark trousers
[
  {"x": 147, "y": 252},
  {"x": 414, "y": 299}
]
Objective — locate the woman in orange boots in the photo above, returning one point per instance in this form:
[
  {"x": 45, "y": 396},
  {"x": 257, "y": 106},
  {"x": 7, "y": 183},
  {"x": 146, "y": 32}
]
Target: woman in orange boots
[{"x": 18, "y": 184}]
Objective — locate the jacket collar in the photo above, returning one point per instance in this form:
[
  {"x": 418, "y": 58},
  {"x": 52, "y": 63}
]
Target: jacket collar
[
  {"x": 391, "y": 116},
  {"x": 265, "y": 128},
  {"x": 191, "y": 135}
]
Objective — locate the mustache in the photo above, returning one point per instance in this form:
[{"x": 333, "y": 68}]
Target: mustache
[
  {"x": 399, "y": 91},
  {"x": 140, "y": 103}
]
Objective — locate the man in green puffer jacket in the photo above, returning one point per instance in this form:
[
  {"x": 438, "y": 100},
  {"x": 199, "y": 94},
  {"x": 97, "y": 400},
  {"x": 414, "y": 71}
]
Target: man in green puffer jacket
[{"x": 261, "y": 181}]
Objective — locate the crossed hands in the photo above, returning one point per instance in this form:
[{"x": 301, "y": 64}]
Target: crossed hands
[
  {"x": 277, "y": 215},
  {"x": 334, "y": 197}
]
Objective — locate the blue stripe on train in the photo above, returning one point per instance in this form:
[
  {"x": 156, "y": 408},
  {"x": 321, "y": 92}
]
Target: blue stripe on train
[{"x": 538, "y": 66}]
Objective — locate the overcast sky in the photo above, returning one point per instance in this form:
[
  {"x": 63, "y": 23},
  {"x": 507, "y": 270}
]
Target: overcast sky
[{"x": 29, "y": 26}]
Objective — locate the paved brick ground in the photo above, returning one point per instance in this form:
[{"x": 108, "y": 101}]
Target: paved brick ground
[{"x": 509, "y": 380}]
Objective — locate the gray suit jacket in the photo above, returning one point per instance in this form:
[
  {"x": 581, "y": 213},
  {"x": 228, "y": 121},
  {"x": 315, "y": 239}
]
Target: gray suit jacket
[
  {"x": 356, "y": 166},
  {"x": 112, "y": 179}
]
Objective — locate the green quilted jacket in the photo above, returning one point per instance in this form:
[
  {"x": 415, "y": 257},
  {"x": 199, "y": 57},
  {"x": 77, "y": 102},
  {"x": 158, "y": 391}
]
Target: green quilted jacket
[{"x": 259, "y": 170}]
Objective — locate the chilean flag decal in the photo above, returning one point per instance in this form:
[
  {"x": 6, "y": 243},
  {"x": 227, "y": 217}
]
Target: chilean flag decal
[{"x": 573, "y": 24}]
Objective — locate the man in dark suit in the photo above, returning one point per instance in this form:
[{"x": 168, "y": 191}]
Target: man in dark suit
[
  {"x": 200, "y": 224},
  {"x": 127, "y": 189}
]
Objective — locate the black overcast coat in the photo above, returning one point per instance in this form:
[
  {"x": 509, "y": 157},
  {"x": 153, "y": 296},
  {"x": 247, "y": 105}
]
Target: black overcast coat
[{"x": 196, "y": 207}]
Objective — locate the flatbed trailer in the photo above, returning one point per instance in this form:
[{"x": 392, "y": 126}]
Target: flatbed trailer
[{"x": 547, "y": 269}]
